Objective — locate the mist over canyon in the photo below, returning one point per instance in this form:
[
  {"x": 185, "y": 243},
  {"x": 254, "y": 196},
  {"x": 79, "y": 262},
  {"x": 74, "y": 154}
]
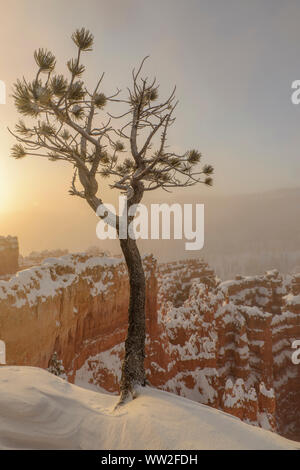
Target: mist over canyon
[{"x": 244, "y": 234}]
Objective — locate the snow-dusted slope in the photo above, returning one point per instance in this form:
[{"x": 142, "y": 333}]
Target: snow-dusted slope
[{"x": 41, "y": 411}]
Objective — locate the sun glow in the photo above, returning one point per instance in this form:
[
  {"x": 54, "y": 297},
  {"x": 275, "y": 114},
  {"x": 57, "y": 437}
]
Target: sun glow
[
  {"x": 5, "y": 189},
  {"x": 3, "y": 194}
]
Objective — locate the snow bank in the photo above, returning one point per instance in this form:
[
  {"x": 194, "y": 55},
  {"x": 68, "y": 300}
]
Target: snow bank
[{"x": 41, "y": 411}]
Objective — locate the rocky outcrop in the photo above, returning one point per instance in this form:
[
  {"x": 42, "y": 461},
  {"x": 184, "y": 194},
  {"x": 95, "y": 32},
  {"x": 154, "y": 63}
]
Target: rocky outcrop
[
  {"x": 273, "y": 330},
  {"x": 178, "y": 277},
  {"x": 226, "y": 345},
  {"x": 9, "y": 255},
  {"x": 223, "y": 347},
  {"x": 286, "y": 329},
  {"x": 61, "y": 306}
]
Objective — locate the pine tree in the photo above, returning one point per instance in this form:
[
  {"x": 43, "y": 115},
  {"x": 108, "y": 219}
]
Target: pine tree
[
  {"x": 56, "y": 366},
  {"x": 68, "y": 122}
]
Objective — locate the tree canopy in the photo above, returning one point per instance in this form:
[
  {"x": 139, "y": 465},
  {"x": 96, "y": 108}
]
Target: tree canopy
[{"x": 71, "y": 123}]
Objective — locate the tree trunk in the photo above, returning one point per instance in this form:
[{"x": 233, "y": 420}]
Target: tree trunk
[{"x": 133, "y": 369}]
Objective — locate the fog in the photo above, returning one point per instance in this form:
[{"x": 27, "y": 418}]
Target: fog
[{"x": 244, "y": 234}]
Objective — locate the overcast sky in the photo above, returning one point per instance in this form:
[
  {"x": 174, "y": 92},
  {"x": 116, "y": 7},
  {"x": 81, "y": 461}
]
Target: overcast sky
[{"x": 233, "y": 62}]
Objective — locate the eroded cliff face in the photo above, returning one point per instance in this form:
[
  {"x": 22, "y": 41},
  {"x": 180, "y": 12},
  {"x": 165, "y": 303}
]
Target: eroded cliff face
[
  {"x": 9, "y": 255},
  {"x": 227, "y": 345},
  {"x": 61, "y": 306}
]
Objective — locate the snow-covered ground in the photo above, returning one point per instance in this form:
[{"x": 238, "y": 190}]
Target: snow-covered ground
[{"x": 41, "y": 411}]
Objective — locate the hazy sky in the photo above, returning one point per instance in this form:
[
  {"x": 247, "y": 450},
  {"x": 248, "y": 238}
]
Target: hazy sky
[{"x": 233, "y": 62}]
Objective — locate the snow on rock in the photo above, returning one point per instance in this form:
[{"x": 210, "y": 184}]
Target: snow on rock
[
  {"x": 200, "y": 334},
  {"x": 41, "y": 411},
  {"x": 38, "y": 283},
  {"x": 104, "y": 367}
]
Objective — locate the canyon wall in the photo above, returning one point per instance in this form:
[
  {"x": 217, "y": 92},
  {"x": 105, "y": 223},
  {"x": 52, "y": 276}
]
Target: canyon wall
[
  {"x": 64, "y": 305},
  {"x": 227, "y": 345},
  {"x": 9, "y": 255}
]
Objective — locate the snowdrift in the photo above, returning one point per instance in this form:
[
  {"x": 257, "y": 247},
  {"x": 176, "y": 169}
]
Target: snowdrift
[{"x": 41, "y": 411}]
